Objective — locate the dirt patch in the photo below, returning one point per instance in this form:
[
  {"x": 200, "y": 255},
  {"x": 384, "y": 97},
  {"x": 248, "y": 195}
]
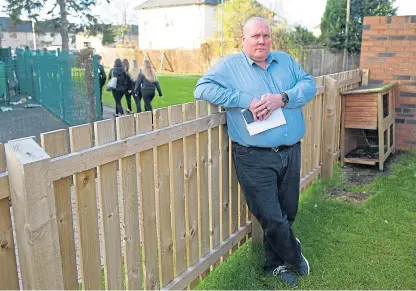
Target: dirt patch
[
  {"x": 360, "y": 175},
  {"x": 355, "y": 176},
  {"x": 348, "y": 196}
]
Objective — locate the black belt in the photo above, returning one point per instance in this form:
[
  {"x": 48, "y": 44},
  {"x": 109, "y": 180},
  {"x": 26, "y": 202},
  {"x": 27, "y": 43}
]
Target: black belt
[{"x": 274, "y": 149}]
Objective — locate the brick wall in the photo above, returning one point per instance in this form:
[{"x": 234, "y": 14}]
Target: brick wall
[{"x": 388, "y": 50}]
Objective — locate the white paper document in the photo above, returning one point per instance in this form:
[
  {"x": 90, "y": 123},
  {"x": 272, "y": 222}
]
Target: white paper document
[{"x": 274, "y": 120}]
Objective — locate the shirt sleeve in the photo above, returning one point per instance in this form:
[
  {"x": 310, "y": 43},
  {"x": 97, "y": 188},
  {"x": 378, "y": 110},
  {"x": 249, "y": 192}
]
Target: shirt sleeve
[
  {"x": 305, "y": 88},
  {"x": 214, "y": 88}
]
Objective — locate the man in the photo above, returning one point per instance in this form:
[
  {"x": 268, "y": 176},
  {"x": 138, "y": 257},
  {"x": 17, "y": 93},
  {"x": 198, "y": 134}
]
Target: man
[
  {"x": 103, "y": 79},
  {"x": 268, "y": 163}
]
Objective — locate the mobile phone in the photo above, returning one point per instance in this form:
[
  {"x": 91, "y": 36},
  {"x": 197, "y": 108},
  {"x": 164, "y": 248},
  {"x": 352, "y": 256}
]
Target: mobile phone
[{"x": 248, "y": 116}]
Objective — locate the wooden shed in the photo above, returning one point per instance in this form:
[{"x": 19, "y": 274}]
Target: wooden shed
[{"x": 367, "y": 128}]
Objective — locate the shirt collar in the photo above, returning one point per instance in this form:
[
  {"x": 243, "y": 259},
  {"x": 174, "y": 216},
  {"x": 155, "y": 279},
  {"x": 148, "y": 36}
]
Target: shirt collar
[{"x": 270, "y": 58}]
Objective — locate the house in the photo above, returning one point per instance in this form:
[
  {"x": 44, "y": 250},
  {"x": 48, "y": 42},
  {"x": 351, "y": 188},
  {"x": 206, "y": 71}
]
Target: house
[
  {"x": 15, "y": 35},
  {"x": 176, "y": 24},
  {"x": 48, "y": 36},
  {"x": 131, "y": 38},
  {"x": 20, "y": 35}
]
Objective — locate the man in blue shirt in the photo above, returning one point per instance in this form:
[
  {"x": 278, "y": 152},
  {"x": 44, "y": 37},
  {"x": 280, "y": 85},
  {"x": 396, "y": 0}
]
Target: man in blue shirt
[{"x": 268, "y": 163}]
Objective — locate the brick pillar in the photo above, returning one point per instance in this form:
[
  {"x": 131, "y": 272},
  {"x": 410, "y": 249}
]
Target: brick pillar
[{"x": 388, "y": 50}]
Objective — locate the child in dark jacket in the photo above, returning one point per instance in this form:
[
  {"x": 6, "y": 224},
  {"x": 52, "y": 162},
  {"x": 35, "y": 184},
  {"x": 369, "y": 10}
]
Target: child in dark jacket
[
  {"x": 103, "y": 79},
  {"x": 146, "y": 84},
  {"x": 121, "y": 87},
  {"x": 130, "y": 87}
]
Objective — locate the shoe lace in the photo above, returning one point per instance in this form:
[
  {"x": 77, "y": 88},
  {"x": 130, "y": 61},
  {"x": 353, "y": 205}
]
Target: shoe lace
[{"x": 279, "y": 270}]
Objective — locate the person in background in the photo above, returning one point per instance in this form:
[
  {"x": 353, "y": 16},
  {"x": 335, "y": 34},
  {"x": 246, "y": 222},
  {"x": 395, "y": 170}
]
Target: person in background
[
  {"x": 121, "y": 87},
  {"x": 130, "y": 86},
  {"x": 145, "y": 86},
  {"x": 103, "y": 79},
  {"x": 267, "y": 164}
]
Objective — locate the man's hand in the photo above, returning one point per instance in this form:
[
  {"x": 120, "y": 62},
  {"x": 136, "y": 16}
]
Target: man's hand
[
  {"x": 252, "y": 107},
  {"x": 269, "y": 103}
]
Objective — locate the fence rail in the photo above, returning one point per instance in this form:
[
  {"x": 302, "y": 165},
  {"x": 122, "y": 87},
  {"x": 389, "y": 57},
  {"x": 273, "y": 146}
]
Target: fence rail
[{"x": 163, "y": 184}]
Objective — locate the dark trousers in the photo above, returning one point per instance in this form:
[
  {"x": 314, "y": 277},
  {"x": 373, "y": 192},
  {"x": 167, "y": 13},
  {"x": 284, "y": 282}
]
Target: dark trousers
[
  {"x": 270, "y": 182},
  {"x": 148, "y": 96},
  {"x": 118, "y": 95},
  {"x": 137, "y": 100},
  {"x": 101, "y": 100}
]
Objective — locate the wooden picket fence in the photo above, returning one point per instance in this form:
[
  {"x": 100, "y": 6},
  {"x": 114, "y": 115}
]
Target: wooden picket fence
[{"x": 169, "y": 206}]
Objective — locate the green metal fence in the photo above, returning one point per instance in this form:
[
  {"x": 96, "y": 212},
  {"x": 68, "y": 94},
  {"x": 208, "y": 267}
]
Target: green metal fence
[{"x": 62, "y": 82}]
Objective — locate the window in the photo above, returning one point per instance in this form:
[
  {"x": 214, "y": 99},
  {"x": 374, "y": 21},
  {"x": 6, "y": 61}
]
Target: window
[
  {"x": 13, "y": 35},
  {"x": 87, "y": 44}
]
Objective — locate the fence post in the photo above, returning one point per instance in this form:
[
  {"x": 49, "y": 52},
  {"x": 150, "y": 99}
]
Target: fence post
[
  {"x": 35, "y": 215},
  {"x": 329, "y": 127},
  {"x": 365, "y": 73}
]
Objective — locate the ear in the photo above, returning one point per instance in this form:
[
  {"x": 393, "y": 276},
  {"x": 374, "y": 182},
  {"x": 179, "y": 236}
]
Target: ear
[{"x": 243, "y": 38}]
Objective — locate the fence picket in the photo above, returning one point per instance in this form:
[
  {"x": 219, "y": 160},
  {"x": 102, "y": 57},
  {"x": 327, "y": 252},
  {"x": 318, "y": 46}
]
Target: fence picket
[
  {"x": 148, "y": 206},
  {"x": 309, "y": 137},
  {"x": 86, "y": 213},
  {"x": 130, "y": 208},
  {"x": 224, "y": 184},
  {"x": 176, "y": 152},
  {"x": 55, "y": 143},
  {"x": 8, "y": 267},
  {"x": 214, "y": 178},
  {"x": 109, "y": 209},
  {"x": 234, "y": 185},
  {"x": 162, "y": 179},
  {"x": 203, "y": 184},
  {"x": 242, "y": 211},
  {"x": 191, "y": 200}
]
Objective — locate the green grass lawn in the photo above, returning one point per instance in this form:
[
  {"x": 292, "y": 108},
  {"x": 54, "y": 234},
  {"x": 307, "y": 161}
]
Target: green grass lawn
[
  {"x": 349, "y": 246},
  {"x": 175, "y": 90}
]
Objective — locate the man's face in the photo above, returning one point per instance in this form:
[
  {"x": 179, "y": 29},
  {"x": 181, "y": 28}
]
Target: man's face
[{"x": 257, "y": 41}]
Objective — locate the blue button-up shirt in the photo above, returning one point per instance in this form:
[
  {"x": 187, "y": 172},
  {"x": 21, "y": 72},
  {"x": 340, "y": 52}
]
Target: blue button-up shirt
[{"x": 236, "y": 79}]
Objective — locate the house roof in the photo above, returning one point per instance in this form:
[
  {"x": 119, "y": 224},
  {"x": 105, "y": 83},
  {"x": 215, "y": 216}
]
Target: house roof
[
  {"x": 21, "y": 26},
  {"x": 165, "y": 3}
]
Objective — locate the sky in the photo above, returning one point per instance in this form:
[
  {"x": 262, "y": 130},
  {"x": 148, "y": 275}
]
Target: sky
[
  {"x": 309, "y": 12},
  {"x": 304, "y": 12}
]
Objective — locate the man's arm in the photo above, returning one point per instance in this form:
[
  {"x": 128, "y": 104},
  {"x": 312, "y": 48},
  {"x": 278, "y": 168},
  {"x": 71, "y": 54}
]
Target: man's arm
[
  {"x": 213, "y": 88},
  {"x": 304, "y": 90}
]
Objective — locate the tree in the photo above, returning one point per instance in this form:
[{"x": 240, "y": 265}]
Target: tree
[
  {"x": 334, "y": 19},
  {"x": 109, "y": 35},
  {"x": 297, "y": 38},
  {"x": 123, "y": 27},
  {"x": 236, "y": 13},
  {"x": 122, "y": 17},
  {"x": 59, "y": 13},
  {"x": 301, "y": 36}
]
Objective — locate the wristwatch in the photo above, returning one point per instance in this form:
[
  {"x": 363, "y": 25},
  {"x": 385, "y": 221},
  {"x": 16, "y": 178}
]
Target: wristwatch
[{"x": 285, "y": 99}]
